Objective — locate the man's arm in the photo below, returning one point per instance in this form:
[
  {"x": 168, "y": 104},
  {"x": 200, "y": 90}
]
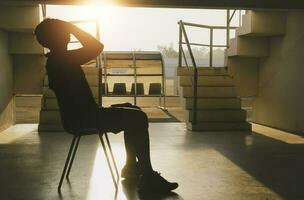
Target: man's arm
[{"x": 91, "y": 46}]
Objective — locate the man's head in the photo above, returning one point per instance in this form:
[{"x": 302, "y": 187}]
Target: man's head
[{"x": 52, "y": 34}]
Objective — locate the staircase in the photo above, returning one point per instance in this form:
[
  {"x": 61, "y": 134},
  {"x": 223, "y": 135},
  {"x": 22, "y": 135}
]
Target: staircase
[
  {"x": 220, "y": 90},
  {"x": 19, "y": 22},
  {"x": 218, "y": 107},
  {"x": 250, "y": 46}
]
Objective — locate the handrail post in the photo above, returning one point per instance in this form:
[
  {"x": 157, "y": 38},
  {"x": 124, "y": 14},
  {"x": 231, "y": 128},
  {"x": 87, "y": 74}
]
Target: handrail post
[
  {"x": 211, "y": 48},
  {"x": 228, "y": 28},
  {"x": 135, "y": 78},
  {"x": 180, "y": 44},
  {"x": 99, "y": 70}
]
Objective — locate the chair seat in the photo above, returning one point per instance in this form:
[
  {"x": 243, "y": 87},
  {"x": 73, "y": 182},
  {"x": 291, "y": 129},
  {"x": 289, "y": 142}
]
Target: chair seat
[{"x": 84, "y": 131}]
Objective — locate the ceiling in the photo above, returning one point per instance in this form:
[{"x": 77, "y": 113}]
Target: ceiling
[{"x": 244, "y": 4}]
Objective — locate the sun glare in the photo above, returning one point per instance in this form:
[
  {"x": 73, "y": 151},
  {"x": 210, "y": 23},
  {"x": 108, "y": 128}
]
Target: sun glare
[{"x": 101, "y": 9}]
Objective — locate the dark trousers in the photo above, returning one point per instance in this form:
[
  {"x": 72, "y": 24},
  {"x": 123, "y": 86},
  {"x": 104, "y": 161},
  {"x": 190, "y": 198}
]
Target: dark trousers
[
  {"x": 134, "y": 123},
  {"x": 116, "y": 119}
]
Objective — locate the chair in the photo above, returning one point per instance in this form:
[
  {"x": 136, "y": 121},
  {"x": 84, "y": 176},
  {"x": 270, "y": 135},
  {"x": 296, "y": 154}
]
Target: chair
[
  {"x": 73, "y": 149},
  {"x": 120, "y": 89},
  {"x": 139, "y": 88},
  {"x": 154, "y": 89}
]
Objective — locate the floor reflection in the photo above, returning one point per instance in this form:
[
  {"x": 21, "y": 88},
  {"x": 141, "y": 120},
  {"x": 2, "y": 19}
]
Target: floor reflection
[
  {"x": 130, "y": 191},
  {"x": 208, "y": 166},
  {"x": 101, "y": 184}
]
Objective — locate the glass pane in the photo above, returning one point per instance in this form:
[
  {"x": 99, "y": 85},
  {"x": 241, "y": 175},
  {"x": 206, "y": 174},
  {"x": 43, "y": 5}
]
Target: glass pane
[
  {"x": 232, "y": 33},
  {"x": 198, "y": 35},
  {"x": 219, "y": 57},
  {"x": 236, "y": 18},
  {"x": 219, "y": 37}
]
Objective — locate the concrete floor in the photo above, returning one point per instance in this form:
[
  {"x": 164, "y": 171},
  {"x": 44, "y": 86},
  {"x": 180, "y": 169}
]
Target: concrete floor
[{"x": 212, "y": 166}]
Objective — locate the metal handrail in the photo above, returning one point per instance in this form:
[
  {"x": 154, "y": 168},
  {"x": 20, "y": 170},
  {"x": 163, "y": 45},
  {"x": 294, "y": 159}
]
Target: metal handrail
[
  {"x": 183, "y": 35},
  {"x": 207, "y": 26},
  {"x": 194, "y": 87}
]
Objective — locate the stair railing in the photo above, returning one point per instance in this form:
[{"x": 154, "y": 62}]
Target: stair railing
[
  {"x": 182, "y": 32},
  {"x": 184, "y": 40}
]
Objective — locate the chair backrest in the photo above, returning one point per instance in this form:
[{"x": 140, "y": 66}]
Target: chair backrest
[
  {"x": 120, "y": 89},
  {"x": 155, "y": 89},
  {"x": 139, "y": 88}
]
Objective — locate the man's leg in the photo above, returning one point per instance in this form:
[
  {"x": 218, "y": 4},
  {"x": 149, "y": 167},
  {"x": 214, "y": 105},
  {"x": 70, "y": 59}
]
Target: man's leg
[
  {"x": 137, "y": 139},
  {"x": 130, "y": 150},
  {"x": 137, "y": 129},
  {"x": 135, "y": 124}
]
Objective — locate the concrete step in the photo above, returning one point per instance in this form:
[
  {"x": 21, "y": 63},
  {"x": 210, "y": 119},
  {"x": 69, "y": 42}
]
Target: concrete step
[
  {"x": 48, "y": 93},
  {"x": 247, "y": 102},
  {"x": 206, "y": 81},
  {"x": 27, "y": 108},
  {"x": 202, "y": 71},
  {"x": 248, "y": 47},
  {"x": 217, "y": 115},
  {"x": 33, "y": 101},
  {"x": 212, "y": 103},
  {"x": 51, "y": 103},
  {"x": 220, "y": 126},
  {"x": 50, "y": 117},
  {"x": 249, "y": 114},
  {"x": 19, "y": 18},
  {"x": 91, "y": 78},
  {"x": 262, "y": 23},
  {"x": 24, "y": 43},
  {"x": 221, "y": 92}
]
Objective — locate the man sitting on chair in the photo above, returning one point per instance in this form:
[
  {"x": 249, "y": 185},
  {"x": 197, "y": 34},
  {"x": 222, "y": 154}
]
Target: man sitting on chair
[{"x": 77, "y": 104}]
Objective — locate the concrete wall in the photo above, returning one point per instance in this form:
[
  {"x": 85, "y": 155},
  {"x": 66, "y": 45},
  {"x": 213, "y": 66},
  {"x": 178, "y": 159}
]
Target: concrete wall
[
  {"x": 29, "y": 72},
  {"x": 280, "y": 100},
  {"x": 18, "y": 18},
  {"x": 6, "y": 84},
  {"x": 245, "y": 75}
]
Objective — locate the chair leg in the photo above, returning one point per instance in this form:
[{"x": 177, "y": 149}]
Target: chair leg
[
  {"x": 112, "y": 155},
  {"x": 66, "y": 163},
  {"x": 73, "y": 156},
  {"x": 108, "y": 160}
]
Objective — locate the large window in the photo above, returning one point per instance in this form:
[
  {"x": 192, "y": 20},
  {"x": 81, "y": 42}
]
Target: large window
[{"x": 148, "y": 29}]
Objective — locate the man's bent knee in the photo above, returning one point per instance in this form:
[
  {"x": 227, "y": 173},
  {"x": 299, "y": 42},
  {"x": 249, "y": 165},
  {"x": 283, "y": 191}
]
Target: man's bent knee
[{"x": 139, "y": 119}]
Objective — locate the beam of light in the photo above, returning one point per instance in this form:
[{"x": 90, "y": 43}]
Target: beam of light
[
  {"x": 12, "y": 134},
  {"x": 101, "y": 185}
]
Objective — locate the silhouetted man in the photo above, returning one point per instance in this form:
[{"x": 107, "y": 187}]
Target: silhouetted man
[{"x": 78, "y": 108}]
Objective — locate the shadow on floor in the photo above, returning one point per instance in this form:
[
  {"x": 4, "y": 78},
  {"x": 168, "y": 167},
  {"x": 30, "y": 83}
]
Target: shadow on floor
[{"x": 277, "y": 165}]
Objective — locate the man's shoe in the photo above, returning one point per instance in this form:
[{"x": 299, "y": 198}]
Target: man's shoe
[
  {"x": 154, "y": 182},
  {"x": 130, "y": 171}
]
